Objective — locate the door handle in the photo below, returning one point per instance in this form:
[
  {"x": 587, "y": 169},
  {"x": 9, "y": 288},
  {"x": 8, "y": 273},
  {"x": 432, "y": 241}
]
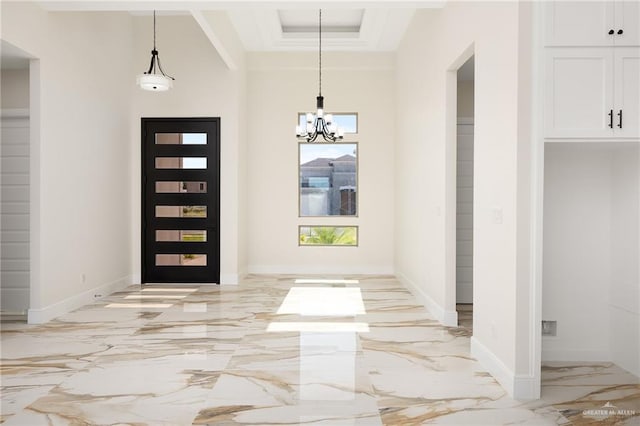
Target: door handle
[
  {"x": 611, "y": 32},
  {"x": 620, "y": 119},
  {"x": 610, "y": 118},
  {"x": 620, "y": 31}
]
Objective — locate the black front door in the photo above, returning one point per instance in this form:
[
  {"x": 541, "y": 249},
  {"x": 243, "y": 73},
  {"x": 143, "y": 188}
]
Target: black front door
[{"x": 180, "y": 200}]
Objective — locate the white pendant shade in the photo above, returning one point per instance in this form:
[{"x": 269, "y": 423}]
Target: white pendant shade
[
  {"x": 151, "y": 80},
  {"x": 154, "y": 82}
]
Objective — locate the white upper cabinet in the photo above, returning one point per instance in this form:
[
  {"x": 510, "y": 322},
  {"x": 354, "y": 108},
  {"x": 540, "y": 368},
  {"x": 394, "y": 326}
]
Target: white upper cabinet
[
  {"x": 579, "y": 98},
  {"x": 592, "y": 92},
  {"x": 627, "y": 21},
  {"x": 627, "y": 92},
  {"x": 592, "y": 23}
]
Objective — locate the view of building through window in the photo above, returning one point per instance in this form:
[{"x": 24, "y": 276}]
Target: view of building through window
[{"x": 328, "y": 179}]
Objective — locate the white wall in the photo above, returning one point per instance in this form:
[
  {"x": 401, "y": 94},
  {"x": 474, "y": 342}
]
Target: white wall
[
  {"x": 14, "y": 152},
  {"x": 14, "y": 222},
  {"x": 15, "y": 88},
  {"x": 624, "y": 293},
  {"x": 591, "y": 252},
  {"x": 204, "y": 87},
  {"x": 80, "y": 167},
  {"x": 464, "y": 211},
  {"x": 577, "y": 251},
  {"x": 281, "y": 85},
  {"x": 438, "y": 42},
  {"x": 465, "y": 98}
]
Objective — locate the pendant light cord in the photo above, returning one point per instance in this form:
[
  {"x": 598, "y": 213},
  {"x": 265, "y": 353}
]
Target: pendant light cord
[
  {"x": 154, "y": 30},
  {"x": 320, "y": 53}
]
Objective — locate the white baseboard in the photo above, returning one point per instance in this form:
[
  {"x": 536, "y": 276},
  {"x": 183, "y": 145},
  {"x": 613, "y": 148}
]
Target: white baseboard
[
  {"x": 493, "y": 365},
  {"x": 229, "y": 279},
  {"x": 572, "y": 356},
  {"x": 526, "y": 388},
  {"x": 136, "y": 279},
  {"x": 43, "y": 315},
  {"x": 15, "y": 301},
  {"x": 319, "y": 270},
  {"x": 518, "y": 386},
  {"x": 448, "y": 318}
]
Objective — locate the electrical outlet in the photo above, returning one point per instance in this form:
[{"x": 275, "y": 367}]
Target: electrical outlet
[{"x": 549, "y": 328}]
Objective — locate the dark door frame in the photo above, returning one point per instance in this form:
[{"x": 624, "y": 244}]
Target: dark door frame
[{"x": 149, "y": 175}]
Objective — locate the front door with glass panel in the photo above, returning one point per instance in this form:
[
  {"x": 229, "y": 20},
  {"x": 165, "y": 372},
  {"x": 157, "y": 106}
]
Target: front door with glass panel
[{"x": 180, "y": 200}]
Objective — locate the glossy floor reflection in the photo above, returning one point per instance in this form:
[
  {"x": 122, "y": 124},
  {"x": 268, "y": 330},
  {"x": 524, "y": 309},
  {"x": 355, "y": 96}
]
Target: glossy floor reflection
[{"x": 276, "y": 350}]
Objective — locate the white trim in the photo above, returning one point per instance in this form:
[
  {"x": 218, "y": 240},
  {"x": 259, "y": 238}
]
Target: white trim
[
  {"x": 493, "y": 365},
  {"x": 521, "y": 387},
  {"x": 14, "y": 112},
  {"x": 229, "y": 279},
  {"x": 526, "y": 388},
  {"x": 537, "y": 214},
  {"x": 46, "y": 314},
  {"x": 589, "y": 140},
  {"x": 575, "y": 355},
  {"x": 447, "y": 318},
  {"x": 319, "y": 270}
]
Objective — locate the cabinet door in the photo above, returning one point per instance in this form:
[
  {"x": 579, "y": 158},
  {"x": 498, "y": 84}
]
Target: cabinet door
[
  {"x": 628, "y": 20},
  {"x": 582, "y": 23},
  {"x": 579, "y": 92},
  {"x": 627, "y": 92}
]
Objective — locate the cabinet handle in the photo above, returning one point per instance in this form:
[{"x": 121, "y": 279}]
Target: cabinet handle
[
  {"x": 611, "y": 32},
  {"x": 610, "y": 118},
  {"x": 620, "y": 119},
  {"x": 620, "y": 31}
]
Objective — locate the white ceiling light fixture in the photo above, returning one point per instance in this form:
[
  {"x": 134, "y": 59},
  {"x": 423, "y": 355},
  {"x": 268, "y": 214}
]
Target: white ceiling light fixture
[
  {"x": 151, "y": 80},
  {"x": 319, "y": 124}
]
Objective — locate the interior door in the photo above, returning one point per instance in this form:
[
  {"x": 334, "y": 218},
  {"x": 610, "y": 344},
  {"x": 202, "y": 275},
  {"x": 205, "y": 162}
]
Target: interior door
[{"x": 180, "y": 200}]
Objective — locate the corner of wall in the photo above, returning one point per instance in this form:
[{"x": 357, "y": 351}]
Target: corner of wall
[
  {"x": 518, "y": 386},
  {"x": 445, "y": 317}
]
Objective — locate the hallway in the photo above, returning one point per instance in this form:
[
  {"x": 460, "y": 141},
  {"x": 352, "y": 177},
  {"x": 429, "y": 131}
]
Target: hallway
[{"x": 277, "y": 350}]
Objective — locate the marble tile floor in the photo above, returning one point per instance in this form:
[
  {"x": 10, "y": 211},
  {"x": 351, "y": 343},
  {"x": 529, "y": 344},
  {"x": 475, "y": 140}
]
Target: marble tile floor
[{"x": 279, "y": 351}]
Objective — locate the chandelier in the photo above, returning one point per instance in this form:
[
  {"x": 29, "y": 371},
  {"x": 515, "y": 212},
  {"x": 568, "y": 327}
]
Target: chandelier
[
  {"x": 150, "y": 80},
  {"x": 320, "y": 123}
]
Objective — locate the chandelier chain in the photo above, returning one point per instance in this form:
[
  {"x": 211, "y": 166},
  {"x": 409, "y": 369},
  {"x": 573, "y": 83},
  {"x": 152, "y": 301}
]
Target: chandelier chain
[
  {"x": 320, "y": 53},
  {"x": 154, "y": 30}
]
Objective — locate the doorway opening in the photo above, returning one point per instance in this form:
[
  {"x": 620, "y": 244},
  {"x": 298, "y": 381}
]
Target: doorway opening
[
  {"x": 464, "y": 192},
  {"x": 180, "y": 200},
  {"x": 16, "y": 184}
]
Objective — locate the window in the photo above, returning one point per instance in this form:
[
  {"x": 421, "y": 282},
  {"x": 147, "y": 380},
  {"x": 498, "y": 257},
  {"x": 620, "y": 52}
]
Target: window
[
  {"x": 347, "y": 120},
  {"x": 328, "y": 235},
  {"x": 328, "y": 179}
]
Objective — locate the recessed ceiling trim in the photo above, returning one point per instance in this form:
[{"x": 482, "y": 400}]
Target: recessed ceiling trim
[
  {"x": 301, "y": 30},
  {"x": 133, "y": 5}
]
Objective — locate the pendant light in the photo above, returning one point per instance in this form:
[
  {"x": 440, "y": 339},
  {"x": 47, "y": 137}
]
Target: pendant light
[
  {"x": 151, "y": 80},
  {"x": 320, "y": 123}
]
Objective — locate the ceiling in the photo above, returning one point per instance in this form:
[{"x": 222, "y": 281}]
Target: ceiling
[{"x": 290, "y": 25}]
